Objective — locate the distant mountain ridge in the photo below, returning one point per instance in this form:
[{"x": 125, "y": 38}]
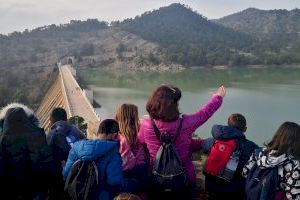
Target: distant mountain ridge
[
  {"x": 173, "y": 20},
  {"x": 253, "y": 20},
  {"x": 174, "y": 34},
  {"x": 189, "y": 38}
]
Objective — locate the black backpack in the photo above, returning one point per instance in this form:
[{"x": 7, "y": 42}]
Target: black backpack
[
  {"x": 262, "y": 183},
  {"x": 168, "y": 173},
  {"x": 83, "y": 181}
]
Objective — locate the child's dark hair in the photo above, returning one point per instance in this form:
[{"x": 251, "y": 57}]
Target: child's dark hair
[
  {"x": 238, "y": 121},
  {"x": 58, "y": 114},
  {"x": 108, "y": 126}
]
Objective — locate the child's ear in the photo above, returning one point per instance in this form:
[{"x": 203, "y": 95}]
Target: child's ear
[{"x": 245, "y": 129}]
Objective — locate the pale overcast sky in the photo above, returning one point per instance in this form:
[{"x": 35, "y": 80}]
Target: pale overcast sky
[{"x": 21, "y": 14}]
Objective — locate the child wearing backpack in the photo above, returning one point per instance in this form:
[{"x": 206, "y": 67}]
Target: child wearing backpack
[
  {"x": 131, "y": 150},
  {"x": 228, "y": 151},
  {"x": 61, "y": 136},
  {"x": 101, "y": 163},
  {"x": 274, "y": 171},
  {"x": 167, "y": 137}
]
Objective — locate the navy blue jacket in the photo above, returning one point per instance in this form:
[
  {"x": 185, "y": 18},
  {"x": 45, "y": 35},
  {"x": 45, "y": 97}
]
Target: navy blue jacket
[
  {"x": 110, "y": 164},
  {"x": 56, "y": 139},
  {"x": 220, "y": 132}
]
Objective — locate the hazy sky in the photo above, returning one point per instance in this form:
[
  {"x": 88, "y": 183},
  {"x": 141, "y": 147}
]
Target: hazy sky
[{"x": 21, "y": 14}]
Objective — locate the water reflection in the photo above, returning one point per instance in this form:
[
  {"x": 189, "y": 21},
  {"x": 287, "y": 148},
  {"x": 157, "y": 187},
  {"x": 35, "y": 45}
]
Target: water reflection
[{"x": 267, "y": 97}]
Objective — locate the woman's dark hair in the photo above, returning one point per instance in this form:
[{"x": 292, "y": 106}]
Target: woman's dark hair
[
  {"x": 286, "y": 140},
  {"x": 163, "y": 103}
]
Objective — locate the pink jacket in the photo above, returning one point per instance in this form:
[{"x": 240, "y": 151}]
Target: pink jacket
[
  {"x": 183, "y": 143},
  {"x": 131, "y": 155}
]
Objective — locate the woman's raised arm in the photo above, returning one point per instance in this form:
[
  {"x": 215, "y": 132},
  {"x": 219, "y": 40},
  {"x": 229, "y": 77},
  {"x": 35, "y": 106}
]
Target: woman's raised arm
[{"x": 202, "y": 115}]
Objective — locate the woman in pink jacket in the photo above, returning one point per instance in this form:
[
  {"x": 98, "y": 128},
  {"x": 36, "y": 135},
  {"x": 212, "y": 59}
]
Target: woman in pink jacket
[
  {"x": 131, "y": 150},
  {"x": 162, "y": 106}
]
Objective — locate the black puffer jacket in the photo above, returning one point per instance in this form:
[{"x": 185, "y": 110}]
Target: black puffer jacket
[{"x": 26, "y": 161}]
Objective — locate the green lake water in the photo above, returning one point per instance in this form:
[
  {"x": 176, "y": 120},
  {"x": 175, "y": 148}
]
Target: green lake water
[{"x": 266, "y": 97}]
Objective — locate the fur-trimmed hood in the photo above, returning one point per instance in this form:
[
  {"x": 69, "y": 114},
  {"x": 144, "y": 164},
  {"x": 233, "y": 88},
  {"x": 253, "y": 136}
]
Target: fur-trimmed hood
[
  {"x": 29, "y": 112},
  {"x": 4, "y": 110}
]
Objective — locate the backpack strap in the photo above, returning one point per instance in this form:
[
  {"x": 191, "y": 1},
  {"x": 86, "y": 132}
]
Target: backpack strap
[
  {"x": 158, "y": 133},
  {"x": 257, "y": 152},
  {"x": 156, "y": 130}
]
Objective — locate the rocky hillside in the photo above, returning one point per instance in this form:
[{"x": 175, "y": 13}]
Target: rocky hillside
[
  {"x": 91, "y": 42},
  {"x": 277, "y": 32},
  {"x": 253, "y": 20},
  {"x": 114, "y": 48},
  {"x": 26, "y": 85},
  {"x": 28, "y": 59}
]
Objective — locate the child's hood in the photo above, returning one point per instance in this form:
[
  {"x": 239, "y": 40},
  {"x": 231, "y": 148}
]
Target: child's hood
[
  {"x": 220, "y": 132},
  {"x": 65, "y": 128},
  {"x": 29, "y": 113},
  {"x": 93, "y": 149}
]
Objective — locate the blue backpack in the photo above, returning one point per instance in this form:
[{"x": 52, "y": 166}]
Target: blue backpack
[{"x": 262, "y": 183}]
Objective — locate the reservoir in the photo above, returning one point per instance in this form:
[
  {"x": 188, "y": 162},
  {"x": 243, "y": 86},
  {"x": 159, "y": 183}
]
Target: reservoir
[{"x": 267, "y": 97}]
